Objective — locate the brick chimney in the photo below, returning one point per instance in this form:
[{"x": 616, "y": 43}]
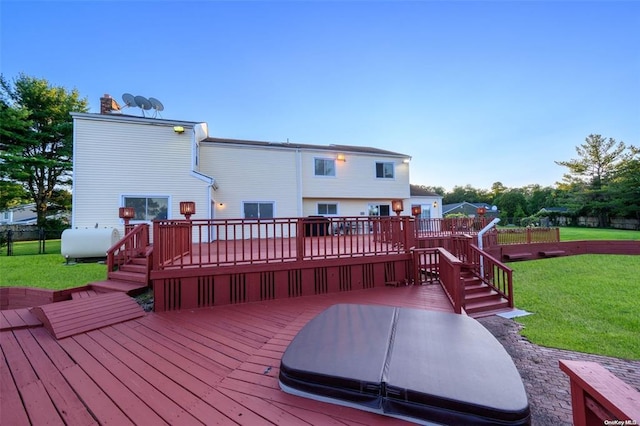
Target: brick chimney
[{"x": 108, "y": 104}]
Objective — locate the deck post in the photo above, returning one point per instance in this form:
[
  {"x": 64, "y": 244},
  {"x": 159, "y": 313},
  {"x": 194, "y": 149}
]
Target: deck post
[{"x": 300, "y": 245}]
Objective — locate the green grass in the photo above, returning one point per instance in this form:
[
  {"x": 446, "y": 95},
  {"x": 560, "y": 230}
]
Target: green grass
[
  {"x": 575, "y": 234},
  {"x": 586, "y": 303},
  {"x": 25, "y": 269}
]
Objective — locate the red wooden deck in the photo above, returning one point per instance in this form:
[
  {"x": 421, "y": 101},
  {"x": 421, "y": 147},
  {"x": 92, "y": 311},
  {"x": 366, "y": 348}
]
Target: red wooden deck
[{"x": 214, "y": 365}]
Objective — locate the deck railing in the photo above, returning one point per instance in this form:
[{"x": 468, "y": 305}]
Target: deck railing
[
  {"x": 492, "y": 272},
  {"x": 220, "y": 242},
  {"x": 133, "y": 244},
  {"x": 439, "y": 265},
  {"x": 507, "y": 236},
  {"x": 449, "y": 226}
]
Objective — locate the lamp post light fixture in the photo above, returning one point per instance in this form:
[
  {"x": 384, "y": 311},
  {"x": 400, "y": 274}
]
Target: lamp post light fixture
[
  {"x": 187, "y": 208},
  {"x": 416, "y": 211},
  {"x": 481, "y": 211},
  {"x": 396, "y": 206},
  {"x": 126, "y": 214}
]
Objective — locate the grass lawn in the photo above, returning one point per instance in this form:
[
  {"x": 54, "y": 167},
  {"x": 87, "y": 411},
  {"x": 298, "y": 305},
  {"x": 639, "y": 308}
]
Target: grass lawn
[
  {"x": 586, "y": 303},
  {"x": 25, "y": 269},
  {"x": 576, "y": 234}
]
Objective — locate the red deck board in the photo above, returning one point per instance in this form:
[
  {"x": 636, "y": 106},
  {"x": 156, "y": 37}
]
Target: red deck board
[
  {"x": 96, "y": 400},
  {"x": 225, "y": 344},
  {"x": 127, "y": 401},
  {"x": 187, "y": 359},
  {"x": 12, "y": 412},
  {"x": 37, "y": 403},
  {"x": 174, "y": 333},
  {"x": 211, "y": 365},
  {"x": 100, "y": 404},
  {"x": 158, "y": 401},
  {"x": 63, "y": 397},
  {"x": 171, "y": 384}
]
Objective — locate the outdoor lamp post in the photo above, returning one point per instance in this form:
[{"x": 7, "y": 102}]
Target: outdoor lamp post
[
  {"x": 416, "y": 211},
  {"x": 396, "y": 206},
  {"x": 481, "y": 211},
  {"x": 126, "y": 214},
  {"x": 187, "y": 208}
]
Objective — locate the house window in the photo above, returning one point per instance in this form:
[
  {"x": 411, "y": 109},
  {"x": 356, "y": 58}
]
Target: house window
[
  {"x": 328, "y": 208},
  {"x": 148, "y": 208},
  {"x": 384, "y": 170},
  {"x": 258, "y": 210},
  {"x": 325, "y": 167},
  {"x": 379, "y": 210}
]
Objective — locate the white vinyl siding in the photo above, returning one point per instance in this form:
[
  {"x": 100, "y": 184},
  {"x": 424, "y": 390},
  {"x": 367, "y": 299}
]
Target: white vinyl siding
[
  {"x": 114, "y": 158},
  {"x": 246, "y": 174},
  {"x": 355, "y": 178}
]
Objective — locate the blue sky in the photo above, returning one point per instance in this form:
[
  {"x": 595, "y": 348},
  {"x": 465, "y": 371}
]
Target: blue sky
[{"x": 476, "y": 92}]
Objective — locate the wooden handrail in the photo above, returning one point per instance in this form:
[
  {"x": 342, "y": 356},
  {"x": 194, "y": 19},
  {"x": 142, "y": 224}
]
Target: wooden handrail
[
  {"x": 492, "y": 272},
  {"x": 599, "y": 397},
  {"x": 133, "y": 244},
  {"x": 228, "y": 242},
  {"x": 439, "y": 265}
]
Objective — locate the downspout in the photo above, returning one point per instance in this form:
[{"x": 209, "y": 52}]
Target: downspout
[
  {"x": 299, "y": 181},
  {"x": 480, "y": 245}
]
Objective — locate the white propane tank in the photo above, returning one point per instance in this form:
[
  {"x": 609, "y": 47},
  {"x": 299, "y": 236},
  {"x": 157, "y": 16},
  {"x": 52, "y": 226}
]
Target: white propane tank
[{"x": 88, "y": 242}]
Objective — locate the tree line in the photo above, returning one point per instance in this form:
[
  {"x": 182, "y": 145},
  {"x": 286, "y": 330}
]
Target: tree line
[
  {"x": 36, "y": 148},
  {"x": 603, "y": 181}
]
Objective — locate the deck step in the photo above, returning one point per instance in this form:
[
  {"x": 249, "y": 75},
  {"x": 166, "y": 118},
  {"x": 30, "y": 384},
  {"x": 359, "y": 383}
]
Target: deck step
[
  {"x": 128, "y": 287},
  {"x": 71, "y": 317},
  {"x": 129, "y": 276},
  {"x": 134, "y": 267},
  {"x": 486, "y": 305},
  {"x": 139, "y": 260}
]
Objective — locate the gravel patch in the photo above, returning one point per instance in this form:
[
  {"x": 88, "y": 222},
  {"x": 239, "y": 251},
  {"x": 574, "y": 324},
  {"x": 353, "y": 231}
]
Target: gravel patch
[{"x": 546, "y": 385}]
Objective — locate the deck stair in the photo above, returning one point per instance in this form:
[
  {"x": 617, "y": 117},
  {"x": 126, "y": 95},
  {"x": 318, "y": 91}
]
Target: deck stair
[
  {"x": 480, "y": 299},
  {"x": 135, "y": 270}
]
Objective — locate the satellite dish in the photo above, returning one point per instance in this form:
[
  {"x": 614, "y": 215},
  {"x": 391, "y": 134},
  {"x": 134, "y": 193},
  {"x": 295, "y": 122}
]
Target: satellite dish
[
  {"x": 156, "y": 104},
  {"x": 494, "y": 208},
  {"x": 143, "y": 102},
  {"x": 128, "y": 99}
]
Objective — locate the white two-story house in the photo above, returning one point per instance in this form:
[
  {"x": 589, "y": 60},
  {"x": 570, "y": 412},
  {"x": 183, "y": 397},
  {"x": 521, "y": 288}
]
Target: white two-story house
[{"x": 154, "y": 164}]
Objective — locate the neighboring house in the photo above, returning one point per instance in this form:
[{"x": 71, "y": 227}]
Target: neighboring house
[
  {"x": 470, "y": 209},
  {"x": 153, "y": 164},
  {"x": 430, "y": 203},
  {"x": 554, "y": 210},
  {"x": 20, "y": 215}
]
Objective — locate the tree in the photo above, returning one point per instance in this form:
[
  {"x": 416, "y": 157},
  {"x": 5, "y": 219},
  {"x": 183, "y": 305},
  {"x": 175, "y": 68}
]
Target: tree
[
  {"x": 598, "y": 163},
  {"x": 625, "y": 186},
  {"x": 467, "y": 193},
  {"x": 496, "y": 189},
  {"x": 12, "y": 194},
  {"x": 510, "y": 201},
  {"x": 37, "y": 144}
]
